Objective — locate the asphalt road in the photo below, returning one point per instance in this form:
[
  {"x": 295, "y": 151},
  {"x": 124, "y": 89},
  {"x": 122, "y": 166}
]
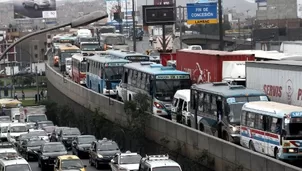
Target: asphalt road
[{"x": 31, "y": 12}]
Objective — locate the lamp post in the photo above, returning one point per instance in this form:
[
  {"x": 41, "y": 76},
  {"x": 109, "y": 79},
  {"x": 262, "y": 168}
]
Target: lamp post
[
  {"x": 134, "y": 27},
  {"x": 86, "y": 19}
]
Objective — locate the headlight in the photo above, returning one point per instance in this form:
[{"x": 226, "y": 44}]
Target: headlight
[
  {"x": 292, "y": 150},
  {"x": 235, "y": 129},
  {"x": 45, "y": 157},
  {"x": 100, "y": 156}
]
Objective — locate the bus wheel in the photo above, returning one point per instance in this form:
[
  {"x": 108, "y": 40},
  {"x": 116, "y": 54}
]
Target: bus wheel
[
  {"x": 251, "y": 146},
  {"x": 276, "y": 153},
  {"x": 225, "y": 136}
]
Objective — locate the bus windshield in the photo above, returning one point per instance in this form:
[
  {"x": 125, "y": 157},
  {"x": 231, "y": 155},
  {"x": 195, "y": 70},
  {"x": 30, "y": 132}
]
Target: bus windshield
[
  {"x": 115, "y": 40},
  {"x": 294, "y": 128},
  {"x": 107, "y": 30},
  {"x": 89, "y": 46},
  {"x": 165, "y": 89},
  {"x": 83, "y": 66},
  {"x": 66, "y": 55},
  {"x": 236, "y": 104},
  {"x": 113, "y": 73}
]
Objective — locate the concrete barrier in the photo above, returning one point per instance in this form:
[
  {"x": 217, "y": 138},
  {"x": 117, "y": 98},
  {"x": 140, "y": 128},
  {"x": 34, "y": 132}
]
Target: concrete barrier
[{"x": 177, "y": 137}]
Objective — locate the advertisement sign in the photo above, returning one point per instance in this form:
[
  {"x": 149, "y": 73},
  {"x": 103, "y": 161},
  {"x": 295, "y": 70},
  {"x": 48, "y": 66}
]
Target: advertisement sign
[
  {"x": 33, "y": 8},
  {"x": 160, "y": 2},
  {"x": 124, "y": 6},
  {"x": 49, "y": 14},
  {"x": 200, "y": 13}
]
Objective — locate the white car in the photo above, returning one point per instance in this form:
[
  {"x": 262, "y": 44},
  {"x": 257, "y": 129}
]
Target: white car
[
  {"x": 125, "y": 162},
  {"x": 36, "y": 4},
  {"x": 7, "y": 151}
]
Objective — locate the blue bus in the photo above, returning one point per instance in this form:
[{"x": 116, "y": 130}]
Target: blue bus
[
  {"x": 220, "y": 104},
  {"x": 104, "y": 73},
  {"x": 129, "y": 55},
  {"x": 159, "y": 82}
]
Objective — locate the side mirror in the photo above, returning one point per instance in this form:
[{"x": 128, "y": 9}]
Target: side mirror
[{"x": 85, "y": 166}]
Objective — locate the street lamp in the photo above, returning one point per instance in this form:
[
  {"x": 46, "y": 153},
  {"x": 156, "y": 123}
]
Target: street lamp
[{"x": 86, "y": 19}]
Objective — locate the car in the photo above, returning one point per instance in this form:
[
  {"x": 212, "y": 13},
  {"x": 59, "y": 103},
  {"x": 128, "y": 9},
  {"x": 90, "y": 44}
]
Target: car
[
  {"x": 29, "y": 148},
  {"x": 5, "y": 119},
  {"x": 69, "y": 162},
  {"x": 66, "y": 136},
  {"x": 6, "y": 144},
  {"x": 40, "y": 133},
  {"x": 49, "y": 130},
  {"x": 7, "y": 152},
  {"x": 81, "y": 145},
  {"x": 14, "y": 162},
  {"x": 36, "y": 4},
  {"x": 158, "y": 162},
  {"x": 55, "y": 134},
  {"x": 125, "y": 161},
  {"x": 102, "y": 151},
  {"x": 48, "y": 153},
  {"x": 42, "y": 124}
]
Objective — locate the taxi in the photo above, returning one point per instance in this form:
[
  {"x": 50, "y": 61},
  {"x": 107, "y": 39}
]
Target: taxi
[{"x": 69, "y": 162}]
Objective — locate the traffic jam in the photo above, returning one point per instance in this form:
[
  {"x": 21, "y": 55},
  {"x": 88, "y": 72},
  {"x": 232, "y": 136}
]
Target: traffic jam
[
  {"x": 248, "y": 97},
  {"x": 28, "y": 136}
]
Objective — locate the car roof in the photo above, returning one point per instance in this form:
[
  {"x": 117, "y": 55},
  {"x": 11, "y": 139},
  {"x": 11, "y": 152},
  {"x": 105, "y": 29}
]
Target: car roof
[
  {"x": 68, "y": 157},
  {"x": 85, "y": 136},
  {"x": 53, "y": 143},
  {"x": 159, "y": 161},
  {"x": 7, "y": 150},
  {"x": 16, "y": 161},
  {"x": 45, "y": 121}
]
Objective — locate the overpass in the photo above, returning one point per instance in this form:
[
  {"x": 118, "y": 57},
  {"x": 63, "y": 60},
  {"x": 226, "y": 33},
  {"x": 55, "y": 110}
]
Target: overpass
[
  {"x": 212, "y": 42},
  {"x": 194, "y": 143}
]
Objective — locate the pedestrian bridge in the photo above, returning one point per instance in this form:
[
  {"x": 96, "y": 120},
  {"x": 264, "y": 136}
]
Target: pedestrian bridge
[{"x": 212, "y": 42}]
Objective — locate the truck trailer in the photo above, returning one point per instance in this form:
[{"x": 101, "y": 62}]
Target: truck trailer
[
  {"x": 280, "y": 80},
  {"x": 213, "y": 66}
]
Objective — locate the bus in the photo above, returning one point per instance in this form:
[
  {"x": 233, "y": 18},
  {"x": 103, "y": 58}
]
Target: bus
[
  {"x": 129, "y": 55},
  {"x": 219, "y": 104},
  {"x": 78, "y": 68},
  {"x": 104, "y": 73},
  {"x": 114, "y": 41},
  {"x": 11, "y": 108},
  {"x": 158, "y": 82},
  {"x": 65, "y": 51},
  {"x": 273, "y": 129}
]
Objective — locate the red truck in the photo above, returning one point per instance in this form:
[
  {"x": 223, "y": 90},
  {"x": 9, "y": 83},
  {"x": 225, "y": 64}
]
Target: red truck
[{"x": 213, "y": 66}]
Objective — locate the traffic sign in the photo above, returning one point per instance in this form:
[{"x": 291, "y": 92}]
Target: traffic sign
[
  {"x": 202, "y": 13},
  {"x": 207, "y": 21}
]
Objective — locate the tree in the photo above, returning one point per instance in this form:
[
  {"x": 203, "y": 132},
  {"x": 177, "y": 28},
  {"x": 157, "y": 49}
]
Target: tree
[{"x": 137, "y": 116}]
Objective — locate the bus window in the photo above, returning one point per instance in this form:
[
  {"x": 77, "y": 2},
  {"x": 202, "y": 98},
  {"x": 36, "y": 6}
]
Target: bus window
[
  {"x": 201, "y": 102},
  {"x": 185, "y": 108},
  {"x": 213, "y": 105},
  {"x": 250, "y": 120},
  {"x": 144, "y": 81},
  {"x": 243, "y": 118},
  {"x": 275, "y": 125},
  {"x": 259, "y": 122},
  {"x": 130, "y": 77}
]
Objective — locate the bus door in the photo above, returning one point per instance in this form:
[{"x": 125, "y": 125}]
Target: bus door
[{"x": 272, "y": 135}]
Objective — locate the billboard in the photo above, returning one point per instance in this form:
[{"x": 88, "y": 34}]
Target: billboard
[
  {"x": 158, "y": 14},
  {"x": 125, "y": 6},
  {"x": 166, "y": 2},
  {"x": 35, "y": 9}
]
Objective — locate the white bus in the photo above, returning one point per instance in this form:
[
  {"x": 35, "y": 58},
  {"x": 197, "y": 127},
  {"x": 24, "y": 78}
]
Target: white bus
[{"x": 273, "y": 129}]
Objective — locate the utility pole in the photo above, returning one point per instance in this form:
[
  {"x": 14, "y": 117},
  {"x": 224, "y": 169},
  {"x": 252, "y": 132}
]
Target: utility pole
[
  {"x": 133, "y": 25},
  {"x": 164, "y": 33},
  {"x": 221, "y": 32},
  {"x": 37, "y": 83},
  {"x": 180, "y": 26}
]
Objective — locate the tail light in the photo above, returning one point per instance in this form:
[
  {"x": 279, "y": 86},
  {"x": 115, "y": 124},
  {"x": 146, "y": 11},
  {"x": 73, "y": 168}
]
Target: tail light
[{"x": 157, "y": 105}]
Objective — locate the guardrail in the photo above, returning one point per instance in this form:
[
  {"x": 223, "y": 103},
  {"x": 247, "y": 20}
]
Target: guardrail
[{"x": 227, "y": 156}]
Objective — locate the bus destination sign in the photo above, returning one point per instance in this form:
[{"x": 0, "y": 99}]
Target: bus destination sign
[
  {"x": 65, "y": 41},
  {"x": 176, "y": 77},
  {"x": 115, "y": 64},
  {"x": 140, "y": 58}
]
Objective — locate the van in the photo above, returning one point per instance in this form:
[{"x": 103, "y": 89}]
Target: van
[
  {"x": 3, "y": 131},
  {"x": 180, "y": 107},
  {"x": 15, "y": 130},
  {"x": 14, "y": 162}
]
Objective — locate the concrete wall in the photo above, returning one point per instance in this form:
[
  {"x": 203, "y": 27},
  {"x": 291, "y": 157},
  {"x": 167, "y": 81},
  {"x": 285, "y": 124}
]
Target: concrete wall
[{"x": 226, "y": 155}]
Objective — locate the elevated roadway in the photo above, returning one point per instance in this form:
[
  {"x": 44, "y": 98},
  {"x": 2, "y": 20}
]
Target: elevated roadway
[{"x": 193, "y": 143}]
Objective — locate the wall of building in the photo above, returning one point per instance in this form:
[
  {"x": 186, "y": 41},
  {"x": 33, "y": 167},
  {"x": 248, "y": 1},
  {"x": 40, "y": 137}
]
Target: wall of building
[
  {"x": 227, "y": 156},
  {"x": 278, "y": 9}
]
